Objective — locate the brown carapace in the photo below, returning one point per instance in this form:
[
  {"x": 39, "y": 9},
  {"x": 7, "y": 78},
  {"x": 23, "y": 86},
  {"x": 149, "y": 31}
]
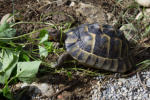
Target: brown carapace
[{"x": 98, "y": 46}]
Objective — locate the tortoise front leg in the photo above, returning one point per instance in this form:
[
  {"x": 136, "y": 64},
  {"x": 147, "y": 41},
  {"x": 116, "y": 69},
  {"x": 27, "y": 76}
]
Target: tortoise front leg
[{"x": 64, "y": 57}]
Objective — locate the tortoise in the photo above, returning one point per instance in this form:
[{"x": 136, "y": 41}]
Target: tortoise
[{"x": 98, "y": 46}]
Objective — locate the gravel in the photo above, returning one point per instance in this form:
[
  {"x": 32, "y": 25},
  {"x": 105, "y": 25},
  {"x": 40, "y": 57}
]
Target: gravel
[{"x": 123, "y": 88}]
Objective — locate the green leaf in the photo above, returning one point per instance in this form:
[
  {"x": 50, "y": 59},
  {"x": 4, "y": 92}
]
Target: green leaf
[
  {"x": 8, "y": 33},
  {"x": 145, "y": 63},
  {"x": 8, "y": 61},
  {"x": 49, "y": 46},
  {"x": 26, "y": 71},
  {"x": 4, "y": 26},
  {"x": 147, "y": 32},
  {"x": 43, "y": 51},
  {"x": 1, "y": 91},
  {"x": 43, "y": 36},
  {"x": 24, "y": 57},
  {"x": 69, "y": 74}
]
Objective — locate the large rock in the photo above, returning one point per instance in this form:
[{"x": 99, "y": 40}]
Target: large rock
[
  {"x": 92, "y": 13},
  {"x": 145, "y": 3}
]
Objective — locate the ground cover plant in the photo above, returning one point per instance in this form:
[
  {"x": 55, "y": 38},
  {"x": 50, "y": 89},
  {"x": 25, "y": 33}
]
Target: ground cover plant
[{"x": 26, "y": 49}]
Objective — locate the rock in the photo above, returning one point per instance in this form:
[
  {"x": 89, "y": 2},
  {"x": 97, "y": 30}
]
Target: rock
[
  {"x": 72, "y": 4},
  {"x": 60, "y": 2},
  {"x": 145, "y": 3},
  {"x": 122, "y": 80},
  {"x": 44, "y": 89},
  {"x": 24, "y": 85},
  {"x": 120, "y": 83},
  {"x": 92, "y": 13},
  {"x": 148, "y": 82}
]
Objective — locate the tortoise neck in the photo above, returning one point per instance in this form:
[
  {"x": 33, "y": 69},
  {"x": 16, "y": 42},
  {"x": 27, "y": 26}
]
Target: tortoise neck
[
  {"x": 57, "y": 37},
  {"x": 61, "y": 37}
]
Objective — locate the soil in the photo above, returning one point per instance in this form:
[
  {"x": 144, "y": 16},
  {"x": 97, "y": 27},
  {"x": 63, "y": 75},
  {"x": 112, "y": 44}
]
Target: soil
[{"x": 60, "y": 13}]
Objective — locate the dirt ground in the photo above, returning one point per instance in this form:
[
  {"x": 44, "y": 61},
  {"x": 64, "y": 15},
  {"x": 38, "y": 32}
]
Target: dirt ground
[{"x": 78, "y": 88}]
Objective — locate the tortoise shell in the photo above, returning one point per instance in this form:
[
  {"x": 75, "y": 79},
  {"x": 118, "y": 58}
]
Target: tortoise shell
[{"x": 99, "y": 46}]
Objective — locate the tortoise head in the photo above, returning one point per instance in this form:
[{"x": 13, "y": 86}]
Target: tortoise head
[{"x": 57, "y": 36}]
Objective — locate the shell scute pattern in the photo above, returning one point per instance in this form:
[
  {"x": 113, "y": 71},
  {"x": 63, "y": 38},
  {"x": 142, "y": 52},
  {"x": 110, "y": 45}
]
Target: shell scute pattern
[{"x": 99, "y": 47}]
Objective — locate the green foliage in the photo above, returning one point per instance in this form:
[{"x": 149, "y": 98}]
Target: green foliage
[
  {"x": 7, "y": 92},
  {"x": 6, "y": 31},
  {"x": 69, "y": 74},
  {"x": 26, "y": 71},
  {"x": 145, "y": 63},
  {"x": 24, "y": 57},
  {"x": 49, "y": 46},
  {"x": 43, "y": 51},
  {"x": 43, "y": 38},
  {"x": 45, "y": 47},
  {"x": 12, "y": 56},
  {"x": 8, "y": 61},
  {"x": 18, "y": 62}
]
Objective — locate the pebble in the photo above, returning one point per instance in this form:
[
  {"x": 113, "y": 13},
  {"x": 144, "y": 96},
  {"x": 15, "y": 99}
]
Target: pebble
[
  {"x": 122, "y": 89},
  {"x": 72, "y": 4},
  {"x": 44, "y": 87},
  {"x": 24, "y": 85},
  {"x": 148, "y": 82},
  {"x": 120, "y": 83}
]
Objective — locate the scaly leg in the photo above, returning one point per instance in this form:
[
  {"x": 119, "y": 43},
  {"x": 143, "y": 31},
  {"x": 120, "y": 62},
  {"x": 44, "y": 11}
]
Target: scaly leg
[{"x": 64, "y": 57}]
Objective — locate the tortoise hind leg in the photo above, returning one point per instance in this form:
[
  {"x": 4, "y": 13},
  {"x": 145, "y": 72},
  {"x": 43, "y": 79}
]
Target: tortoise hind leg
[{"x": 64, "y": 57}]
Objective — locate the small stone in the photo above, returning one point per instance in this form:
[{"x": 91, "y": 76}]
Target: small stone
[
  {"x": 72, "y": 4},
  {"x": 59, "y": 2},
  {"x": 148, "y": 82},
  {"x": 120, "y": 83},
  {"x": 140, "y": 97},
  {"x": 112, "y": 90},
  {"x": 135, "y": 97},
  {"x": 24, "y": 85},
  {"x": 44, "y": 87},
  {"x": 122, "y": 80},
  {"x": 130, "y": 98}
]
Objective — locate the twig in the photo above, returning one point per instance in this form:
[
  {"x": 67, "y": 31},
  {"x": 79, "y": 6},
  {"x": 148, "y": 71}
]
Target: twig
[
  {"x": 20, "y": 36},
  {"x": 143, "y": 85},
  {"x": 130, "y": 74}
]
